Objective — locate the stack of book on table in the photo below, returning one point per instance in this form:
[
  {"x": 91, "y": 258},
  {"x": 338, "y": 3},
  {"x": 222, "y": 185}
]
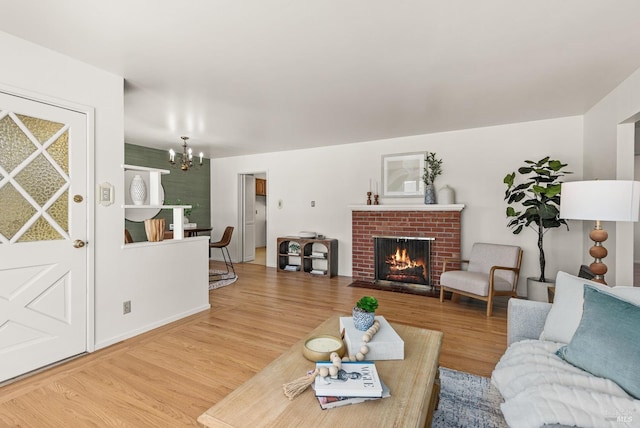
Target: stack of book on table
[{"x": 356, "y": 382}]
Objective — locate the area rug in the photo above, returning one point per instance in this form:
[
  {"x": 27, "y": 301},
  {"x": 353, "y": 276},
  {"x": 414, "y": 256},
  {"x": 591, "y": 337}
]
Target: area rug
[
  {"x": 467, "y": 400},
  {"x": 420, "y": 290},
  {"x": 218, "y": 278}
]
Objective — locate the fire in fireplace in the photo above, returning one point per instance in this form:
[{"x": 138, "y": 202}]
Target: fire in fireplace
[{"x": 402, "y": 259}]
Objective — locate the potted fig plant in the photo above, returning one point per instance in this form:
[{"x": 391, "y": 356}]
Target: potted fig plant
[
  {"x": 534, "y": 202},
  {"x": 364, "y": 312},
  {"x": 432, "y": 169}
]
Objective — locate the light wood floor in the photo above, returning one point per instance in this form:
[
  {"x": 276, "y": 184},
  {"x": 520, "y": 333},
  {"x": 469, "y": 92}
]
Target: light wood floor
[
  {"x": 169, "y": 376},
  {"x": 260, "y": 257}
]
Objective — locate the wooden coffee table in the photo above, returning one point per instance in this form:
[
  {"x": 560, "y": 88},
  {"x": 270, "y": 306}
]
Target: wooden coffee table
[{"x": 414, "y": 385}]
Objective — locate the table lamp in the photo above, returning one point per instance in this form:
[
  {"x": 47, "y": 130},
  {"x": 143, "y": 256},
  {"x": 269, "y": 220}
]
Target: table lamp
[{"x": 600, "y": 200}]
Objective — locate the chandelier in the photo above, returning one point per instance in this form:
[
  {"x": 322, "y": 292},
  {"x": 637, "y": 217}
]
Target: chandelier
[{"x": 186, "y": 161}]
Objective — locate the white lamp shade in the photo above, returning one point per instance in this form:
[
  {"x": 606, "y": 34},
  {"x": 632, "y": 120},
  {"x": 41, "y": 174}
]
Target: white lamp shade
[{"x": 605, "y": 200}]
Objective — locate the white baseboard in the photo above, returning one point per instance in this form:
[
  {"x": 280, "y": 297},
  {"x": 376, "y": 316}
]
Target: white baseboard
[{"x": 148, "y": 327}]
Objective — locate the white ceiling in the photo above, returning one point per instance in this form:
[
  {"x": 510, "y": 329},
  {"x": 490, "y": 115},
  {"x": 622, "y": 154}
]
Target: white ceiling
[{"x": 253, "y": 76}]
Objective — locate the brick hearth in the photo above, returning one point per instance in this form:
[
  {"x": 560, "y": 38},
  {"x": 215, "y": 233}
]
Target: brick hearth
[{"x": 441, "y": 222}]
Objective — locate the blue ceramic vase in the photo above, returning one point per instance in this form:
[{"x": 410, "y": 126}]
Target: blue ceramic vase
[{"x": 362, "y": 320}]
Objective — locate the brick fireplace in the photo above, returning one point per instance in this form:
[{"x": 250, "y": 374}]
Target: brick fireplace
[{"x": 441, "y": 222}]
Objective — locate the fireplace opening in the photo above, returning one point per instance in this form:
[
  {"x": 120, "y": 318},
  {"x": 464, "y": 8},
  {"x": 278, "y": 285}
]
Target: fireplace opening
[{"x": 402, "y": 260}]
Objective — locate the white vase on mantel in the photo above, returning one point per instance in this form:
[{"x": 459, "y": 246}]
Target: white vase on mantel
[
  {"x": 138, "y": 190},
  {"x": 446, "y": 196}
]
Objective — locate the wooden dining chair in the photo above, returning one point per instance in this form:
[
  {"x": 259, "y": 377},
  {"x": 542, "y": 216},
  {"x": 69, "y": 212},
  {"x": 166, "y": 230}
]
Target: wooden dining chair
[{"x": 127, "y": 237}]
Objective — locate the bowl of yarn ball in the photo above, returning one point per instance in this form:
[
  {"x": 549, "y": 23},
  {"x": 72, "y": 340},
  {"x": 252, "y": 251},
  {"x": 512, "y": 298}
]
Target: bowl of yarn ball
[{"x": 319, "y": 348}]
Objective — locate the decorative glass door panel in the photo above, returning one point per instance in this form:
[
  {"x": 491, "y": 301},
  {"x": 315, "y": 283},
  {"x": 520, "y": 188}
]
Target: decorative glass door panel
[{"x": 35, "y": 179}]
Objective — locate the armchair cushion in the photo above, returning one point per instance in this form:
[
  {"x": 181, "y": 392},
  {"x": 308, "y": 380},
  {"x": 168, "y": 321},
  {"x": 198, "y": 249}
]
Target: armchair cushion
[
  {"x": 484, "y": 256},
  {"x": 472, "y": 282}
]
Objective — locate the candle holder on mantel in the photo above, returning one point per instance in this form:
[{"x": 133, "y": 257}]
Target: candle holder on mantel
[
  {"x": 368, "y": 198},
  {"x": 375, "y": 200}
]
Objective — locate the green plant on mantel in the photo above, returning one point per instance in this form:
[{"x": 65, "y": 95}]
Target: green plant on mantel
[
  {"x": 432, "y": 168},
  {"x": 367, "y": 304},
  {"x": 535, "y": 202}
]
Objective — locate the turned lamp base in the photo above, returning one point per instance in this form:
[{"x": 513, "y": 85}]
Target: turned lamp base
[{"x": 598, "y": 235}]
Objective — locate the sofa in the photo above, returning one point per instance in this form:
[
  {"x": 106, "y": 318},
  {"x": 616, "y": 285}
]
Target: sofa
[{"x": 575, "y": 362}]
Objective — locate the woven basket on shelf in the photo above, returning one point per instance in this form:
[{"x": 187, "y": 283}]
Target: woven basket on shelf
[{"x": 155, "y": 229}]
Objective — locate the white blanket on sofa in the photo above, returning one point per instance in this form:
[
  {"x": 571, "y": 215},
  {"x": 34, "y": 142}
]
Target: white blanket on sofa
[{"x": 540, "y": 388}]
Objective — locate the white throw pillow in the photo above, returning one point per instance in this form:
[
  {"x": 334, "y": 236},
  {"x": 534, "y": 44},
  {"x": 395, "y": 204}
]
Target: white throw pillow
[{"x": 566, "y": 312}]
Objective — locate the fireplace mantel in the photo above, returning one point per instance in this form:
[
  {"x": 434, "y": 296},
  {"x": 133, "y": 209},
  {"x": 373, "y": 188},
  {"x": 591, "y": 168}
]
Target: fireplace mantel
[{"x": 408, "y": 207}]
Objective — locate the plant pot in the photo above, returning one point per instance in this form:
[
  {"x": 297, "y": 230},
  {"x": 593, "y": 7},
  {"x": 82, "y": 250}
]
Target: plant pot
[
  {"x": 538, "y": 291},
  {"x": 362, "y": 320},
  {"x": 429, "y": 194}
]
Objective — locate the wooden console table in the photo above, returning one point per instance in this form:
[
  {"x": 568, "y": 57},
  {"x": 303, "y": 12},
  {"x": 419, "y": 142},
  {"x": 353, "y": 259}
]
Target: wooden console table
[{"x": 413, "y": 382}]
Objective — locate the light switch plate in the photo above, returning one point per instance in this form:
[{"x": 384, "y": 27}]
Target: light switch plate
[{"x": 105, "y": 194}]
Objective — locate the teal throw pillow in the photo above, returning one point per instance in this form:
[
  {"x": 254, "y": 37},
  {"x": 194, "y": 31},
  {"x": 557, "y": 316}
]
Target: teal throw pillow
[{"x": 607, "y": 341}]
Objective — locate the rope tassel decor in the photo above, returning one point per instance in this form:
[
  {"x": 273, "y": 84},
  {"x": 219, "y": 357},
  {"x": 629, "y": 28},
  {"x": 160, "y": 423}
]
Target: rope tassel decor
[{"x": 296, "y": 387}]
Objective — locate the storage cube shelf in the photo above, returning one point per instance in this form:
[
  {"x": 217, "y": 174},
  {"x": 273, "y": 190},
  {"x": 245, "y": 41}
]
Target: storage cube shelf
[{"x": 303, "y": 256}]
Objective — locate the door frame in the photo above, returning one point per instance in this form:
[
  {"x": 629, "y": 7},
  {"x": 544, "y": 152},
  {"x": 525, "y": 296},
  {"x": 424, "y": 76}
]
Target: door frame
[
  {"x": 240, "y": 248},
  {"x": 625, "y": 166},
  {"x": 89, "y": 113}
]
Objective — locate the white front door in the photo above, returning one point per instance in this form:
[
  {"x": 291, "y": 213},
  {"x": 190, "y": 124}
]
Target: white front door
[{"x": 43, "y": 276}]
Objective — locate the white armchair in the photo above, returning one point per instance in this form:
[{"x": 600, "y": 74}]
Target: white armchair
[{"x": 492, "y": 270}]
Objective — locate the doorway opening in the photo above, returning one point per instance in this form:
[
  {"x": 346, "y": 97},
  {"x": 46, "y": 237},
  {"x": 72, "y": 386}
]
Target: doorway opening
[{"x": 253, "y": 217}]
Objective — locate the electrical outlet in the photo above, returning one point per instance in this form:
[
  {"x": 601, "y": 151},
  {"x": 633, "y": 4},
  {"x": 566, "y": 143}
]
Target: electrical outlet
[
  {"x": 313, "y": 204},
  {"x": 126, "y": 307}
]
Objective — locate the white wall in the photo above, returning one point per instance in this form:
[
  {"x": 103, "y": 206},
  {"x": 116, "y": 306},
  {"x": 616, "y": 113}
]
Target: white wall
[
  {"x": 609, "y": 154},
  {"x": 475, "y": 163},
  {"x": 143, "y": 276}
]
